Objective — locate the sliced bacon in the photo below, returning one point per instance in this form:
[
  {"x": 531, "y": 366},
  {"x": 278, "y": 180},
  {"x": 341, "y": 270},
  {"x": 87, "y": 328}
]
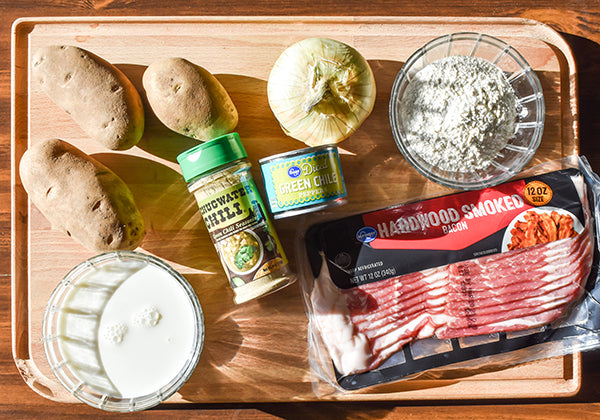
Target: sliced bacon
[{"x": 510, "y": 291}]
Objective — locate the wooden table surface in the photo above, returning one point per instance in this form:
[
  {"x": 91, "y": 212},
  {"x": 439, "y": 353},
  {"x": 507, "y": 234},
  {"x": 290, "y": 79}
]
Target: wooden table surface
[{"x": 577, "y": 21}]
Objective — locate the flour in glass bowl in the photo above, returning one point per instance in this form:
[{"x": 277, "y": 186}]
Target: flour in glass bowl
[{"x": 458, "y": 113}]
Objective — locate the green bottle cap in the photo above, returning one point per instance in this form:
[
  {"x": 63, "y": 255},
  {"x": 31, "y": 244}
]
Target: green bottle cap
[{"x": 207, "y": 156}]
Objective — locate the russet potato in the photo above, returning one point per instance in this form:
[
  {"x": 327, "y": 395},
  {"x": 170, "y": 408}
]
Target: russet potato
[
  {"x": 188, "y": 99},
  {"x": 81, "y": 197},
  {"x": 97, "y": 95}
]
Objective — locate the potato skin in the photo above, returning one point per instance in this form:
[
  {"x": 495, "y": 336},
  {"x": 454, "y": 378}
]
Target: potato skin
[
  {"x": 97, "y": 95},
  {"x": 188, "y": 99},
  {"x": 81, "y": 196}
]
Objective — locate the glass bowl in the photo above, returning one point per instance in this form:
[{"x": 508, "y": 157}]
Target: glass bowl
[
  {"x": 147, "y": 357},
  {"x": 530, "y": 110}
]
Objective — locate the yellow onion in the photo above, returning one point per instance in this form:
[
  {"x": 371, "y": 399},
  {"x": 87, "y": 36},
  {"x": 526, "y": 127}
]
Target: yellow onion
[{"x": 321, "y": 90}]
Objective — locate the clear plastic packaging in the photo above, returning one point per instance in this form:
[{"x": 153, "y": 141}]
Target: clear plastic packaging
[{"x": 573, "y": 327}]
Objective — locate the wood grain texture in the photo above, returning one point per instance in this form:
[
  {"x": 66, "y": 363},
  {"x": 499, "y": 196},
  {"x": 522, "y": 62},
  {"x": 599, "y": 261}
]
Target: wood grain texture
[
  {"x": 248, "y": 347},
  {"x": 580, "y": 23}
]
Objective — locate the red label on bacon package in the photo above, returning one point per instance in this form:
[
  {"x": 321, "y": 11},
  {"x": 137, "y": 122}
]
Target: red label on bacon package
[
  {"x": 444, "y": 230},
  {"x": 451, "y": 222}
]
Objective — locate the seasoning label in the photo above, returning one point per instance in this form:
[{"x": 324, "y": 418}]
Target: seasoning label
[
  {"x": 303, "y": 180},
  {"x": 244, "y": 238},
  {"x": 230, "y": 210}
]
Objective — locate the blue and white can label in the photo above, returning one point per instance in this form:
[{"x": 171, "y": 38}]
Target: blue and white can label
[{"x": 307, "y": 179}]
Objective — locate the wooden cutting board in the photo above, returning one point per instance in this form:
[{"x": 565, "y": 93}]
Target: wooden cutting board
[{"x": 256, "y": 352}]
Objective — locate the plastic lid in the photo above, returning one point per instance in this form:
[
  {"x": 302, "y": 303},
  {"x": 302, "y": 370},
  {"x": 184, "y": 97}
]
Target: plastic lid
[{"x": 210, "y": 155}]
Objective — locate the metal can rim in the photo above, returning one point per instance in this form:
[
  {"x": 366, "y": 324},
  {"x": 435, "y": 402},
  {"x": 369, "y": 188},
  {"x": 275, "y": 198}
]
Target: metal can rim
[{"x": 293, "y": 153}]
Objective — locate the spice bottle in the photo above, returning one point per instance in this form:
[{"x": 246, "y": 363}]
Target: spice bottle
[{"x": 218, "y": 174}]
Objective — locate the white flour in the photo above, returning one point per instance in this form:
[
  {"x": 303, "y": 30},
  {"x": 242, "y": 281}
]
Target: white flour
[{"x": 458, "y": 113}]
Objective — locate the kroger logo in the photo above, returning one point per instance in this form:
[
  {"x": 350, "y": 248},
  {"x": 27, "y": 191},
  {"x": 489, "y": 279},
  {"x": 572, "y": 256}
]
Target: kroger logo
[
  {"x": 366, "y": 234},
  {"x": 294, "y": 172}
]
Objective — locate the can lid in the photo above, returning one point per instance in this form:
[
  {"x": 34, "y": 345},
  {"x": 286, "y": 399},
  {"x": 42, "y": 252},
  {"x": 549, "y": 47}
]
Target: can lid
[{"x": 210, "y": 155}]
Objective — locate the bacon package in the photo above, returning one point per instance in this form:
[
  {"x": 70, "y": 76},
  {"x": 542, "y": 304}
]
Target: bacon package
[{"x": 447, "y": 280}]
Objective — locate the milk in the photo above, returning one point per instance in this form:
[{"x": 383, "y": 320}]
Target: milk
[{"x": 127, "y": 328}]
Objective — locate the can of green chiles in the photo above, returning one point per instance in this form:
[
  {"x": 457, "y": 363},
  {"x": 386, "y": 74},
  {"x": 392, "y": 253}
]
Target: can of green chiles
[{"x": 303, "y": 181}]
